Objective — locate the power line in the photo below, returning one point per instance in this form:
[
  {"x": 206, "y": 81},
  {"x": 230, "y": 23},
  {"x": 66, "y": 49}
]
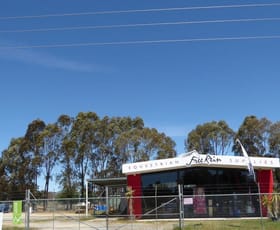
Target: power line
[
  {"x": 65, "y": 45},
  {"x": 140, "y": 11},
  {"x": 139, "y": 25}
]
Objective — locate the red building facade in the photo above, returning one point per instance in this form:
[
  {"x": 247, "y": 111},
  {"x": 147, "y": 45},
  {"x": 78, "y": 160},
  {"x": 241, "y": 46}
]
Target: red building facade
[{"x": 203, "y": 178}]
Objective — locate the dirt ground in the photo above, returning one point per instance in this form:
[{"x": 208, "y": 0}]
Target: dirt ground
[{"x": 69, "y": 221}]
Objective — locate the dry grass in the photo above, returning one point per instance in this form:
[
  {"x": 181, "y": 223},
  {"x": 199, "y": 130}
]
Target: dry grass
[{"x": 255, "y": 224}]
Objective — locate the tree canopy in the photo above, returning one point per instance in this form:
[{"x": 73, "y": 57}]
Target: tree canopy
[
  {"x": 210, "y": 138},
  {"x": 88, "y": 146},
  {"x": 254, "y": 134},
  {"x": 85, "y": 146},
  {"x": 259, "y": 136}
]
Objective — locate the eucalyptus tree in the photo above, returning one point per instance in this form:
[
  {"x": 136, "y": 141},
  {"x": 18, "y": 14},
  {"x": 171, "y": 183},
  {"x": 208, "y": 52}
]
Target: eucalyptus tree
[
  {"x": 22, "y": 159},
  {"x": 51, "y": 143},
  {"x": 254, "y": 135},
  {"x": 33, "y": 141},
  {"x": 274, "y": 146},
  {"x": 18, "y": 166},
  {"x": 3, "y": 181},
  {"x": 67, "y": 177},
  {"x": 141, "y": 144},
  {"x": 121, "y": 140},
  {"x": 82, "y": 137},
  {"x": 210, "y": 138},
  {"x": 109, "y": 131},
  {"x": 274, "y": 139}
]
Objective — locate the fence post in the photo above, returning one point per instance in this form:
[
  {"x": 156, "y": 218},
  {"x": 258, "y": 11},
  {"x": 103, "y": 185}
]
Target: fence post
[
  {"x": 87, "y": 198},
  {"x": 181, "y": 206},
  {"x": 260, "y": 203},
  {"x": 107, "y": 207},
  {"x": 27, "y": 209},
  {"x": 53, "y": 205},
  {"x": 156, "y": 207}
]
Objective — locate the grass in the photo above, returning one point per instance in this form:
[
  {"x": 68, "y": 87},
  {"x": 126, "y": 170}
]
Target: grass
[
  {"x": 246, "y": 224},
  {"x": 231, "y": 225},
  {"x": 15, "y": 228}
]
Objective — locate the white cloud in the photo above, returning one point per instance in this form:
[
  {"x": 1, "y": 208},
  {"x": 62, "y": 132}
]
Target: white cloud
[{"x": 47, "y": 60}]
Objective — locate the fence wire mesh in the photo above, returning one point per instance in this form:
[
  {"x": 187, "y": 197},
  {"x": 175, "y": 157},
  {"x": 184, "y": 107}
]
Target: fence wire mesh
[{"x": 157, "y": 212}]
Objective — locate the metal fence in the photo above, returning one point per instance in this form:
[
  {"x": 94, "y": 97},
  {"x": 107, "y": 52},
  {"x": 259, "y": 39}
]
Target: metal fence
[{"x": 113, "y": 212}]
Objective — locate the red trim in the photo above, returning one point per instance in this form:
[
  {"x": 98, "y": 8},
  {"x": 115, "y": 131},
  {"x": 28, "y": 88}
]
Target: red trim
[
  {"x": 134, "y": 181},
  {"x": 265, "y": 179}
]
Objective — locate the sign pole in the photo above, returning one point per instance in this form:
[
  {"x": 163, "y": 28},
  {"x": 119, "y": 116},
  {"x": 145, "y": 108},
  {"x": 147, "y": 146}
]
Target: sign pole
[{"x": 1, "y": 220}]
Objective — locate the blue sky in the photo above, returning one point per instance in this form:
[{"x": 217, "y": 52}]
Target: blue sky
[{"x": 173, "y": 86}]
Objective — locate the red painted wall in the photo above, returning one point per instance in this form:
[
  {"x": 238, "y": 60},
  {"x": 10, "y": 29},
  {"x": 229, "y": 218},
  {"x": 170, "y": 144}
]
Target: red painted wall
[
  {"x": 265, "y": 180},
  {"x": 134, "y": 181}
]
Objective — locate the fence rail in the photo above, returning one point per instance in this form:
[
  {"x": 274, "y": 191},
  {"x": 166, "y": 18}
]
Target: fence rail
[{"x": 113, "y": 212}]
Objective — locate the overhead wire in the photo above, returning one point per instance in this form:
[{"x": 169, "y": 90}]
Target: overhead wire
[
  {"x": 141, "y": 11},
  {"x": 139, "y": 25},
  {"x": 86, "y": 44}
]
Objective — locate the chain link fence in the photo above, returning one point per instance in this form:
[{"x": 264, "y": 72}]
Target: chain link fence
[{"x": 157, "y": 212}]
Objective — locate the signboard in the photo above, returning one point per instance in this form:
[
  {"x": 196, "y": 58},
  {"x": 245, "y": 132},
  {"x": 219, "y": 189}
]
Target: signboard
[
  {"x": 194, "y": 159},
  {"x": 203, "y": 159},
  {"x": 1, "y": 220},
  {"x": 17, "y": 212},
  {"x": 188, "y": 201}
]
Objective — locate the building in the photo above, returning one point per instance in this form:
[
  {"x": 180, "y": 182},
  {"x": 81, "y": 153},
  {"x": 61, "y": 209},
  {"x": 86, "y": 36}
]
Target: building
[{"x": 212, "y": 185}]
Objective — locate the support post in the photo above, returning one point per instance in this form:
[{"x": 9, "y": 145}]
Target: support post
[
  {"x": 107, "y": 208},
  {"x": 181, "y": 206},
  {"x": 156, "y": 202},
  {"x": 86, "y": 198},
  {"x": 260, "y": 204},
  {"x": 27, "y": 209}
]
